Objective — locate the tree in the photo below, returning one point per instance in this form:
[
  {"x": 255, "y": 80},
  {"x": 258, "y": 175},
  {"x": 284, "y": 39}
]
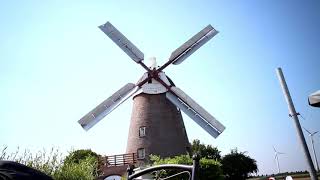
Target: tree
[
  {"x": 85, "y": 169},
  {"x": 78, "y": 155},
  {"x": 237, "y": 165},
  {"x": 205, "y": 151},
  {"x": 83, "y": 156}
]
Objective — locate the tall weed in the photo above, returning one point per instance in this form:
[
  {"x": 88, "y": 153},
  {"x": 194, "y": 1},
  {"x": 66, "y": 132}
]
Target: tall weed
[{"x": 52, "y": 163}]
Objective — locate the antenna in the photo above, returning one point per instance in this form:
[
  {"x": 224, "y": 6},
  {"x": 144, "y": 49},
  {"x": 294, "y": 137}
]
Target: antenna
[
  {"x": 313, "y": 149},
  {"x": 276, "y": 153}
]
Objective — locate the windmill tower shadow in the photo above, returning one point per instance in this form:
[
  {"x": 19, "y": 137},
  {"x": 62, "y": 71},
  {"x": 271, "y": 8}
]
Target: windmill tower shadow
[{"x": 156, "y": 125}]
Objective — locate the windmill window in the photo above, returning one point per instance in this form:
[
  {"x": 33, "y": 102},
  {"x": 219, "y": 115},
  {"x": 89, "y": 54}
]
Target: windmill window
[
  {"x": 142, "y": 131},
  {"x": 141, "y": 153}
]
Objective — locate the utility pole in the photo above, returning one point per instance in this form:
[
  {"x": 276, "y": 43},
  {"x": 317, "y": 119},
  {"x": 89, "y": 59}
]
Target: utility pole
[{"x": 294, "y": 115}]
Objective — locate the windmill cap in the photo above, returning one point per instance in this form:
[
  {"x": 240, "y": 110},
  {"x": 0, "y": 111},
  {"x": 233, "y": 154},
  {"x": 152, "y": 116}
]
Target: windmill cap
[{"x": 152, "y": 62}]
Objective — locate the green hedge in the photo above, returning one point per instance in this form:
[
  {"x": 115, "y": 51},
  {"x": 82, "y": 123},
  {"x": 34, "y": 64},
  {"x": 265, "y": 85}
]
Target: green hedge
[{"x": 209, "y": 168}]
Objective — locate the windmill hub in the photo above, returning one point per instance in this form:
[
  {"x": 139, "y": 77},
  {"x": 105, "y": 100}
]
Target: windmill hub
[
  {"x": 153, "y": 85},
  {"x": 156, "y": 123}
]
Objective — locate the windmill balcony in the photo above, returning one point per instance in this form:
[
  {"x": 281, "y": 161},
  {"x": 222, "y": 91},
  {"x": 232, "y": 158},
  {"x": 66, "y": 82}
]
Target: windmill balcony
[
  {"x": 119, "y": 160},
  {"x": 116, "y": 164}
]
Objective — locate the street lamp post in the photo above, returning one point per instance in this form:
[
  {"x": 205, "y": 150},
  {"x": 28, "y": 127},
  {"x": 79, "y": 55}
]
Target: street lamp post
[{"x": 294, "y": 115}]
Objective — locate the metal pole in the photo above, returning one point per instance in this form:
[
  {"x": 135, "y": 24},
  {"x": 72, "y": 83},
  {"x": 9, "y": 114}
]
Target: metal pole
[
  {"x": 195, "y": 168},
  {"x": 294, "y": 115}
]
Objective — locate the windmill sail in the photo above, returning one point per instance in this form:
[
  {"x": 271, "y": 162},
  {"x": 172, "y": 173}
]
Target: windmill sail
[
  {"x": 195, "y": 112},
  {"x": 103, "y": 109},
  {"x": 192, "y": 44},
  {"x": 117, "y": 37}
]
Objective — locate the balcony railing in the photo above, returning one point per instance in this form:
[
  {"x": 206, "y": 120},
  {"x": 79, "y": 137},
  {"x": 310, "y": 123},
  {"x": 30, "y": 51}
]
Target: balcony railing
[{"x": 120, "y": 160}]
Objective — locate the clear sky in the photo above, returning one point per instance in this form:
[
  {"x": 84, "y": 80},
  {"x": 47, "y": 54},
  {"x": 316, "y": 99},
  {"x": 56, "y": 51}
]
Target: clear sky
[{"x": 56, "y": 65}]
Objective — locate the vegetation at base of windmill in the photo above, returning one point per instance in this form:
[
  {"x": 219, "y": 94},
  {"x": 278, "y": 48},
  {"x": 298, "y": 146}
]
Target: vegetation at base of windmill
[
  {"x": 237, "y": 165},
  {"x": 77, "y": 155},
  {"x": 209, "y": 168},
  {"x": 85, "y": 169},
  {"x": 44, "y": 161},
  {"x": 205, "y": 151},
  {"x": 52, "y": 163}
]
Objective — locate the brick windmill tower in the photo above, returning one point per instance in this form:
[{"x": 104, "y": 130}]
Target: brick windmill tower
[{"x": 156, "y": 125}]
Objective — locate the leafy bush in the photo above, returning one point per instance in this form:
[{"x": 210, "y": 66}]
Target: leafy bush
[
  {"x": 209, "y": 168},
  {"x": 182, "y": 159},
  {"x": 78, "y": 155},
  {"x": 85, "y": 169}
]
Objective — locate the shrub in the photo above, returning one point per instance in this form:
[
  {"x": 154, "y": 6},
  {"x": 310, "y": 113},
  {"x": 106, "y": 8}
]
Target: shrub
[
  {"x": 209, "y": 168},
  {"x": 78, "y": 156},
  {"x": 85, "y": 170}
]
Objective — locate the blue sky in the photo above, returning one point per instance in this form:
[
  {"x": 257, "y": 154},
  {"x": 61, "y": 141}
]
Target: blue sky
[{"x": 56, "y": 65}]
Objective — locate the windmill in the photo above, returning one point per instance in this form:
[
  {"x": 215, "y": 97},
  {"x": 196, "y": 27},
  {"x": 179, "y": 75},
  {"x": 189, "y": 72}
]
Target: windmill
[
  {"x": 314, "y": 152},
  {"x": 156, "y": 125},
  {"x": 276, "y": 154}
]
